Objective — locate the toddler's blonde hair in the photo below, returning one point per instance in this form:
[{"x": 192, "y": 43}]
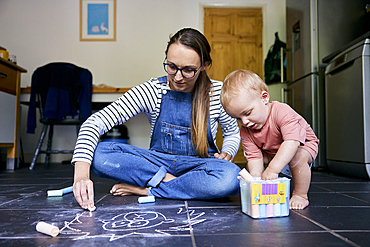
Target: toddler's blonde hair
[{"x": 238, "y": 80}]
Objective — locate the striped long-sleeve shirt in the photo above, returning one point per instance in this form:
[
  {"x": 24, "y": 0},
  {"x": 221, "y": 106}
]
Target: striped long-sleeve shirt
[{"x": 147, "y": 98}]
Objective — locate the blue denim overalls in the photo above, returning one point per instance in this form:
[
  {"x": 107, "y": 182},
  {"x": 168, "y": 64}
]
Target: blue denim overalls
[
  {"x": 171, "y": 151},
  {"x": 172, "y": 129}
]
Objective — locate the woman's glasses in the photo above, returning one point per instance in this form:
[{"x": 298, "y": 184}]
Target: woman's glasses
[{"x": 172, "y": 69}]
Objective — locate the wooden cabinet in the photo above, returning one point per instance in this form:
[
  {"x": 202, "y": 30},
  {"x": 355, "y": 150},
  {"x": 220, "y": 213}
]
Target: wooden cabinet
[{"x": 10, "y": 80}]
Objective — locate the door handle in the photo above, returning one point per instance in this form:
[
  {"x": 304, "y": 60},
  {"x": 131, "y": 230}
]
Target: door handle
[
  {"x": 2, "y": 75},
  {"x": 281, "y": 64}
]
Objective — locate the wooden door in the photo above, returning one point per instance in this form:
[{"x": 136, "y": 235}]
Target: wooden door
[{"x": 235, "y": 36}]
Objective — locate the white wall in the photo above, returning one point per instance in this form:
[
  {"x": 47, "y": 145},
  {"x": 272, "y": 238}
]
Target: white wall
[{"x": 43, "y": 31}]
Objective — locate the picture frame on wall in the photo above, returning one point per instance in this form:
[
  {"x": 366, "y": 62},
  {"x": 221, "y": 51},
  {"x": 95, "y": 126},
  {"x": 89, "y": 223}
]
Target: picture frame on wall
[{"x": 97, "y": 20}]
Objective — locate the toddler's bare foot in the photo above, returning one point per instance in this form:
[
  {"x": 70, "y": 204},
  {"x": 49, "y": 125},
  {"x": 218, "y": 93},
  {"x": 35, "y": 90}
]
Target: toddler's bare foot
[
  {"x": 122, "y": 189},
  {"x": 298, "y": 202}
]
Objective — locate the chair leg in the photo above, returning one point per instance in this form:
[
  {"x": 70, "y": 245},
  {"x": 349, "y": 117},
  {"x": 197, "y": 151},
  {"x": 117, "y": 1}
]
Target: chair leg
[
  {"x": 38, "y": 148},
  {"x": 48, "y": 149}
]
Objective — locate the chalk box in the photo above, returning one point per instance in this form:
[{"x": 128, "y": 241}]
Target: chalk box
[{"x": 265, "y": 199}]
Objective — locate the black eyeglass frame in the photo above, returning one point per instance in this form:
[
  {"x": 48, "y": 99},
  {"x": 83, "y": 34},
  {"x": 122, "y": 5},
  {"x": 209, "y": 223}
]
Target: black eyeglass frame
[{"x": 177, "y": 69}]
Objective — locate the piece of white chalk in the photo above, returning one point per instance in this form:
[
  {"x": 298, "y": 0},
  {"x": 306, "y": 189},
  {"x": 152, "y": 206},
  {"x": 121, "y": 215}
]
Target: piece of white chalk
[
  {"x": 246, "y": 175},
  {"x": 91, "y": 209},
  {"x": 60, "y": 192},
  {"x": 146, "y": 199},
  {"x": 47, "y": 229}
]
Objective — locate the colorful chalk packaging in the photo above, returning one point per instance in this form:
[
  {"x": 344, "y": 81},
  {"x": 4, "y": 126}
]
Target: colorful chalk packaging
[{"x": 264, "y": 199}]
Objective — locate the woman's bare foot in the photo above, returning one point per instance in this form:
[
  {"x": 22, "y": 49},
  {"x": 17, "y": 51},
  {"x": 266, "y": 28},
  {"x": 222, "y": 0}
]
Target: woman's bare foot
[
  {"x": 168, "y": 177},
  {"x": 122, "y": 189},
  {"x": 298, "y": 202}
]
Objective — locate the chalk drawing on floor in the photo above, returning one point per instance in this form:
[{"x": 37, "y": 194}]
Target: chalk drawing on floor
[{"x": 144, "y": 223}]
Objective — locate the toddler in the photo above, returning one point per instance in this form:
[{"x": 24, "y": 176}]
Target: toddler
[{"x": 273, "y": 134}]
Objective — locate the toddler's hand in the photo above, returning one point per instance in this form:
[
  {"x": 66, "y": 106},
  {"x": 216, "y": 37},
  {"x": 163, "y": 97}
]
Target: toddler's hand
[{"x": 268, "y": 174}]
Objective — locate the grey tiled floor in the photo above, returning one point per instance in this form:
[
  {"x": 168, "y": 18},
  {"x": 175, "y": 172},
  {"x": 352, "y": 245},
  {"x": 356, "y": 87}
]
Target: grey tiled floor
[{"x": 338, "y": 215}]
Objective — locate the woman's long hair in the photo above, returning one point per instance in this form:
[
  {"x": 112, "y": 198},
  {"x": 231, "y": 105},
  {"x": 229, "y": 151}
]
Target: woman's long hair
[{"x": 196, "y": 41}]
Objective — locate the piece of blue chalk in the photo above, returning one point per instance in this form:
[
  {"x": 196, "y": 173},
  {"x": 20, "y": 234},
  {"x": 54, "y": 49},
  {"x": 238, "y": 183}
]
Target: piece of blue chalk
[
  {"x": 60, "y": 192},
  {"x": 146, "y": 199}
]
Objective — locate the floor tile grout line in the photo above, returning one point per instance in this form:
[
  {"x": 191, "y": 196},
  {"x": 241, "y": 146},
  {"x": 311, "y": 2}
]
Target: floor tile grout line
[
  {"x": 327, "y": 229},
  {"x": 68, "y": 238},
  {"x": 18, "y": 198},
  {"x": 342, "y": 182},
  {"x": 356, "y": 192},
  {"x": 262, "y": 233},
  {"x": 327, "y": 190},
  {"x": 239, "y": 206},
  {"x": 104, "y": 196},
  {"x": 190, "y": 226},
  {"x": 350, "y": 231},
  {"x": 341, "y": 193},
  {"x": 45, "y": 179},
  {"x": 32, "y": 193},
  {"x": 7, "y": 185},
  {"x": 344, "y": 206}
]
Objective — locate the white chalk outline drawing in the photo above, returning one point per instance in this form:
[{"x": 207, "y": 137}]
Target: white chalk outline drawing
[{"x": 135, "y": 223}]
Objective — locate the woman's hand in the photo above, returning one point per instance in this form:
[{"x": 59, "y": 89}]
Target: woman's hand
[
  {"x": 83, "y": 188},
  {"x": 224, "y": 156}
]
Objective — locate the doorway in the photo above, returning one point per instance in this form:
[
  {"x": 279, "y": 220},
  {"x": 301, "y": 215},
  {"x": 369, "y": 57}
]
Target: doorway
[{"x": 235, "y": 37}]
